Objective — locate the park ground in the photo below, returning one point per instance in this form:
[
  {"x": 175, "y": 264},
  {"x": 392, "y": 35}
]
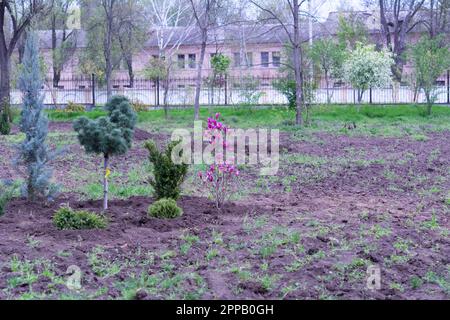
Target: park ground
[{"x": 353, "y": 190}]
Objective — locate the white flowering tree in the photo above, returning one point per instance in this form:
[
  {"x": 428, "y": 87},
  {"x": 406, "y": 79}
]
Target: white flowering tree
[{"x": 367, "y": 68}]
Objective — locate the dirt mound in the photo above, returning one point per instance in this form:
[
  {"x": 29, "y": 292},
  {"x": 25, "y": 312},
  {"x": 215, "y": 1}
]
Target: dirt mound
[
  {"x": 124, "y": 216},
  {"x": 141, "y": 135}
]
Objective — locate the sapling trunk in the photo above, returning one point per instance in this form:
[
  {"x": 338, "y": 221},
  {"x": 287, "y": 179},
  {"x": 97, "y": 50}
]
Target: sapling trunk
[
  {"x": 105, "y": 183},
  {"x": 360, "y": 95}
]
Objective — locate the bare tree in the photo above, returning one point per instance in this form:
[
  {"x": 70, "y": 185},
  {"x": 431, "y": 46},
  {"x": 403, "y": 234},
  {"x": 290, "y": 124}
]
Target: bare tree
[
  {"x": 289, "y": 20},
  {"x": 64, "y": 44},
  {"x": 203, "y": 12},
  {"x": 15, "y": 17},
  {"x": 108, "y": 7},
  {"x": 165, "y": 16},
  {"x": 437, "y": 20},
  {"x": 397, "y": 18},
  {"x": 132, "y": 32}
]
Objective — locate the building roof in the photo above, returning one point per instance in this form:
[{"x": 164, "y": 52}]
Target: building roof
[{"x": 235, "y": 34}]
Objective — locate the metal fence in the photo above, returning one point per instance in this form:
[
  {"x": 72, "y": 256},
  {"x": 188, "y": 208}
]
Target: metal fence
[{"x": 88, "y": 91}]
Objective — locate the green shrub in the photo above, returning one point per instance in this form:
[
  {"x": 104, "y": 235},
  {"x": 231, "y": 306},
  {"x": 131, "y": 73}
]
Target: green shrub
[
  {"x": 73, "y": 107},
  {"x": 5, "y": 127},
  {"x": 287, "y": 88},
  {"x": 6, "y": 118},
  {"x": 168, "y": 175},
  {"x": 165, "y": 208},
  {"x": 69, "y": 219},
  {"x": 138, "y": 106},
  {"x": 7, "y": 191}
]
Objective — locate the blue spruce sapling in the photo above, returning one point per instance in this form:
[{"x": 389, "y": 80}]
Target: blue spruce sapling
[
  {"x": 33, "y": 152},
  {"x": 110, "y": 135}
]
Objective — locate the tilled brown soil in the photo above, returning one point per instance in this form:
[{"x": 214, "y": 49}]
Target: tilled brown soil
[{"x": 355, "y": 202}]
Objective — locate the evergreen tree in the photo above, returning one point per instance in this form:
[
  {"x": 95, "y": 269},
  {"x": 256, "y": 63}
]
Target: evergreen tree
[
  {"x": 110, "y": 135},
  {"x": 34, "y": 154}
]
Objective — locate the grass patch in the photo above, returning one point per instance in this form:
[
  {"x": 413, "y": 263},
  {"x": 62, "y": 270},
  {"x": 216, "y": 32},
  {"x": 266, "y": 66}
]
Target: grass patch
[{"x": 384, "y": 120}]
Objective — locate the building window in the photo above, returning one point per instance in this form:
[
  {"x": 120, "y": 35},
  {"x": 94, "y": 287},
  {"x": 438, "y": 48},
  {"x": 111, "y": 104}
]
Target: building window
[
  {"x": 237, "y": 59},
  {"x": 338, "y": 84},
  {"x": 264, "y": 59},
  {"x": 276, "y": 59},
  {"x": 249, "y": 59},
  {"x": 181, "y": 61},
  {"x": 192, "y": 60}
]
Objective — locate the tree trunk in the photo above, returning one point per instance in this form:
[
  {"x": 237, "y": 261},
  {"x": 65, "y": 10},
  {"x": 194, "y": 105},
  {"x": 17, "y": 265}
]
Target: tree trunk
[
  {"x": 5, "y": 85},
  {"x": 108, "y": 6},
  {"x": 297, "y": 65},
  {"x": 166, "y": 93},
  {"x": 429, "y": 102},
  {"x": 395, "y": 91},
  {"x": 327, "y": 81},
  {"x": 56, "y": 77},
  {"x": 130, "y": 71},
  {"x": 360, "y": 95},
  {"x": 198, "y": 81},
  {"x": 56, "y": 72},
  {"x": 105, "y": 183},
  {"x": 108, "y": 73}
]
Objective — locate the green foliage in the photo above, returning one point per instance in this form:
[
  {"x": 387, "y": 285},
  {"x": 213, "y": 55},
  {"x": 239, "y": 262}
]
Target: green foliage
[
  {"x": 139, "y": 106},
  {"x": 33, "y": 151},
  {"x": 111, "y": 134},
  {"x": 5, "y": 127},
  {"x": 168, "y": 175},
  {"x": 351, "y": 30},
  {"x": 156, "y": 69},
  {"x": 73, "y": 107},
  {"x": 249, "y": 90},
  {"x": 165, "y": 208},
  {"x": 430, "y": 60},
  {"x": 7, "y": 191},
  {"x": 328, "y": 56},
  {"x": 287, "y": 88},
  {"x": 68, "y": 219},
  {"x": 108, "y": 135},
  {"x": 220, "y": 63}
]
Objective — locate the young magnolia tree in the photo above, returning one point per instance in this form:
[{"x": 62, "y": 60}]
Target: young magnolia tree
[
  {"x": 34, "y": 154},
  {"x": 430, "y": 60},
  {"x": 367, "y": 68},
  {"x": 110, "y": 135}
]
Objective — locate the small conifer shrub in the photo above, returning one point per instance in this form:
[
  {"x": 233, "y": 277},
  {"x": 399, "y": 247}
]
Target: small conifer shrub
[
  {"x": 165, "y": 209},
  {"x": 109, "y": 135},
  {"x": 68, "y": 219},
  {"x": 168, "y": 176},
  {"x": 33, "y": 153}
]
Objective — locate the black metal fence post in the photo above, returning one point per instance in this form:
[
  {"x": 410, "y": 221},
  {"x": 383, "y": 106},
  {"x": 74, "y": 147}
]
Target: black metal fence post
[
  {"x": 226, "y": 90},
  {"x": 93, "y": 89},
  {"x": 370, "y": 95},
  {"x": 157, "y": 92}
]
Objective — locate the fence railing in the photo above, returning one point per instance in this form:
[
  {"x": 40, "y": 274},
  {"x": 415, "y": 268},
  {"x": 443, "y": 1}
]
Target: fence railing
[{"x": 88, "y": 91}]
